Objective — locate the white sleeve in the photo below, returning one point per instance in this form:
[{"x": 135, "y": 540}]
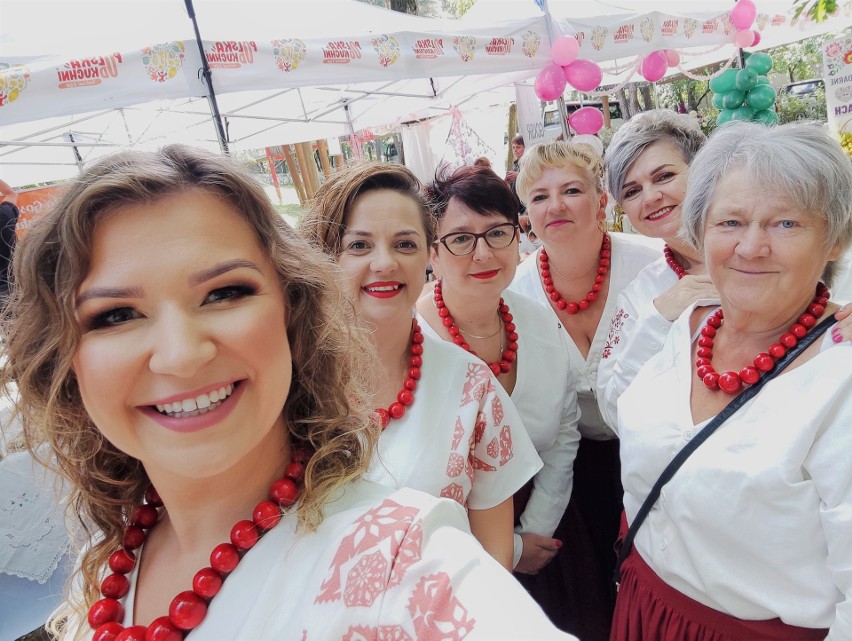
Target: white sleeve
[
  {"x": 640, "y": 332},
  {"x": 553, "y": 484},
  {"x": 833, "y": 481}
]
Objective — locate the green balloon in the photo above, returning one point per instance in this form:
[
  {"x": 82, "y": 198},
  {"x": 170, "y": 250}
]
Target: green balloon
[
  {"x": 746, "y": 79},
  {"x": 766, "y": 116},
  {"x": 724, "y": 82},
  {"x": 733, "y": 99},
  {"x": 761, "y": 97},
  {"x": 724, "y": 116},
  {"x": 762, "y": 80},
  {"x": 761, "y": 63},
  {"x": 743, "y": 113},
  {"x": 717, "y": 100}
]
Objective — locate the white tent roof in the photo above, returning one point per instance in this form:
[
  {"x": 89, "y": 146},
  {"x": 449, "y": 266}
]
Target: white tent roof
[{"x": 119, "y": 73}]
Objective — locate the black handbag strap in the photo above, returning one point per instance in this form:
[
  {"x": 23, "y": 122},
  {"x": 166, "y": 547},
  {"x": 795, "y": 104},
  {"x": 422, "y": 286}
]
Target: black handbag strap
[{"x": 705, "y": 433}]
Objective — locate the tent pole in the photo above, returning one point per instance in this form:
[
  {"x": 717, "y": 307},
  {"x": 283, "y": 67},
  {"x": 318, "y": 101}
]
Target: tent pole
[
  {"x": 208, "y": 79},
  {"x": 560, "y": 102}
]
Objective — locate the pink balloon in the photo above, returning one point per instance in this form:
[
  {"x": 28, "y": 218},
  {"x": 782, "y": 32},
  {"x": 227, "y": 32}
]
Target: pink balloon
[
  {"x": 583, "y": 75},
  {"x": 743, "y": 14},
  {"x": 587, "y": 120},
  {"x": 756, "y": 40},
  {"x": 744, "y": 38},
  {"x": 564, "y": 50},
  {"x": 672, "y": 57},
  {"x": 550, "y": 82},
  {"x": 654, "y": 66}
]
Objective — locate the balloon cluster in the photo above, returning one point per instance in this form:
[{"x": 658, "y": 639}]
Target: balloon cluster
[
  {"x": 655, "y": 64},
  {"x": 745, "y": 94},
  {"x": 742, "y": 17},
  {"x": 566, "y": 69}
]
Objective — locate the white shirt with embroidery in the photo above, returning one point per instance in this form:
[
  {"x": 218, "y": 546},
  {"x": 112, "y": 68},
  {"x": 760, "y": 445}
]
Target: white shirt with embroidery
[
  {"x": 384, "y": 565},
  {"x": 630, "y": 254},
  {"x": 546, "y": 399},
  {"x": 462, "y": 438},
  {"x": 758, "y": 521},
  {"x": 637, "y": 332}
]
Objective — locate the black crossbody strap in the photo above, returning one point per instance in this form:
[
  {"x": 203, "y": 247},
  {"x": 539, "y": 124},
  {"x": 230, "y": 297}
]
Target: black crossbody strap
[{"x": 705, "y": 433}]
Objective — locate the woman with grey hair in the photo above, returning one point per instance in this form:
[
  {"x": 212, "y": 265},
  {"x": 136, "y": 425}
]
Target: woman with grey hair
[{"x": 749, "y": 537}]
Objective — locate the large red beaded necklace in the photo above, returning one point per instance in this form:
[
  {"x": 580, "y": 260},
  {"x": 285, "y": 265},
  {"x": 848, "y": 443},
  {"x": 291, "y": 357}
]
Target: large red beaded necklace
[
  {"x": 188, "y": 608},
  {"x": 511, "y": 347},
  {"x": 592, "y": 296},
  {"x": 406, "y": 394},
  {"x": 676, "y": 267},
  {"x": 731, "y": 382}
]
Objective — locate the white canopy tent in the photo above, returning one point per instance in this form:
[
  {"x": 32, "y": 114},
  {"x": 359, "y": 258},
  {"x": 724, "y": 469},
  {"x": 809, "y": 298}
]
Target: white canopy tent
[{"x": 79, "y": 79}]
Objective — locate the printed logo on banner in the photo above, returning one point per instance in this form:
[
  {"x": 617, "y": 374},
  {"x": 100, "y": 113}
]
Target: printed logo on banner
[
  {"x": 88, "y": 71},
  {"x": 388, "y": 49},
  {"x": 761, "y": 20},
  {"x": 581, "y": 35},
  {"x": 726, "y": 22},
  {"x": 428, "y": 48},
  {"x": 499, "y": 46},
  {"x": 35, "y": 203},
  {"x": 647, "y": 29},
  {"x": 13, "y": 80},
  {"x": 341, "y": 52},
  {"x": 230, "y": 54},
  {"x": 710, "y": 26},
  {"x": 530, "y": 42},
  {"x": 689, "y": 27},
  {"x": 163, "y": 61},
  {"x": 669, "y": 27},
  {"x": 289, "y": 53},
  {"x": 599, "y": 37},
  {"x": 465, "y": 46},
  {"x": 778, "y": 20},
  {"x": 623, "y": 34}
]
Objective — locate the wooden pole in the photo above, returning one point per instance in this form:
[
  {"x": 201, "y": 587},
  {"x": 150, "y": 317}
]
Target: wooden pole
[
  {"x": 322, "y": 145},
  {"x": 271, "y": 162},
  {"x": 294, "y": 174},
  {"x": 605, "y": 109},
  {"x": 513, "y": 129},
  {"x": 309, "y": 169}
]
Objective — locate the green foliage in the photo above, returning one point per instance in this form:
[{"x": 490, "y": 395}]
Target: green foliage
[
  {"x": 810, "y": 107},
  {"x": 816, "y": 10}
]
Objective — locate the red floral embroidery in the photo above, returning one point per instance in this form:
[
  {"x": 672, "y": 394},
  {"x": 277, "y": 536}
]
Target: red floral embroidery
[
  {"x": 387, "y": 521},
  {"x": 381, "y": 633},
  {"x": 366, "y": 580},
  {"x": 455, "y": 466},
  {"x": 505, "y": 445},
  {"x": 477, "y": 384},
  {"x": 436, "y": 612},
  {"x": 493, "y": 448},
  {"x": 614, "y": 336},
  {"x": 458, "y": 434},
  {"x": 479, "y": 464},
  {"x": 408, "y": 554},
  {"x": 453, "y": 491},
  {"x": 497, "y": 410},
  {"x": 478, "y": 430}
]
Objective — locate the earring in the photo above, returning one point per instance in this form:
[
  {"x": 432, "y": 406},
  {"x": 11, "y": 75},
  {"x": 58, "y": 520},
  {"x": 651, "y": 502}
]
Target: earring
[{"x": 602, "y": 226}]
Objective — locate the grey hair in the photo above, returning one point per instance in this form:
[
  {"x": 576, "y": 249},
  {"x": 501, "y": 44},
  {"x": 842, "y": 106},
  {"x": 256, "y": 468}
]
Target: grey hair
[
  {"x": 800, "y": 159},
  {"x": 559, "y": 155},
  {"x": 642, "y": 130}
]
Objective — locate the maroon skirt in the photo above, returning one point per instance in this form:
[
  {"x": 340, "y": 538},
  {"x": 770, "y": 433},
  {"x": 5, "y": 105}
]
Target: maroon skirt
[{"x": 649, "y": 609}]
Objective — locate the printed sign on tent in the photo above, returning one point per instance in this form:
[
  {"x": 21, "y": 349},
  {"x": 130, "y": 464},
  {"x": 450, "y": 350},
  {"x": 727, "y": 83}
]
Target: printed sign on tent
[
  {"x": 530, "y": 116},
  {"x": 837, "y": 70}
]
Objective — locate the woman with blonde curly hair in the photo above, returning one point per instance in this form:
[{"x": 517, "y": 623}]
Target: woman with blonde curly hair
[{"x": 190, "y": 363}]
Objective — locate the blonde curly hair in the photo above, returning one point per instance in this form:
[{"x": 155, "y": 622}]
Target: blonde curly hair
[
  {"x": 558, "y": 155},
  {"x": 326, "y": 410}
]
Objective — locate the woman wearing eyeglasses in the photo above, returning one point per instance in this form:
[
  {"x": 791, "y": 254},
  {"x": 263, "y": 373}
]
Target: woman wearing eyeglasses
[
  {"x": 476, "y": 254},
  {"x": 448, "y": 428}
]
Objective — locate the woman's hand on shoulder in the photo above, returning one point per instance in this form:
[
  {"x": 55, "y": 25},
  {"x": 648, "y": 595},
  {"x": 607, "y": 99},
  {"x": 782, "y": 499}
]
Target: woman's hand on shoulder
[
  {"x": 538, "y": 551},
  {"x": 682, "y": 294},
  {"x": 843, "y": 330}
]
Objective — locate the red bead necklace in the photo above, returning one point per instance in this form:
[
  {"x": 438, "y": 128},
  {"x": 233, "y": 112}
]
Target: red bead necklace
[
  {"x": 592, "y": 296},
  {"x": 188, "y": 608},
  {"x": 509, "y": 351},
  {"x": 406, "y": 394},
  {"x": 676, "y": 267},
  {"x": 731, "y": 382}
]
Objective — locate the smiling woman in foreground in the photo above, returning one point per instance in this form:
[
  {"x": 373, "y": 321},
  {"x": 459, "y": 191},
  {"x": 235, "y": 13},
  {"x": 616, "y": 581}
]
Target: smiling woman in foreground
[
  {"x": 191, "y": 363},
  {"x": 751, "y": 537}
]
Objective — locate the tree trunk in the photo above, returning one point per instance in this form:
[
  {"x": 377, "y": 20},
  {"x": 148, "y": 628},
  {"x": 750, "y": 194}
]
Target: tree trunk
[
  {"x": 691, "y": 102},
  {"x": 646, "y": 96}
]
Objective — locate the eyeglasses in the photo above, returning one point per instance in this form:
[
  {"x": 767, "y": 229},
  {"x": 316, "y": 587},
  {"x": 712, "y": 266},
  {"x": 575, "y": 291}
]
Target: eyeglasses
[{"x": 462, "y": 243}]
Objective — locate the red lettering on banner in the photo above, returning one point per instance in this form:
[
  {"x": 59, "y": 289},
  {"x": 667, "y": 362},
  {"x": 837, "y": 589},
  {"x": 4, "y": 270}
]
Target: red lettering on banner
[
  {"x": 624, "y": 33},
  {"x": 88, "y": 71},
  {"x": 499, "y": 46},
  {"x": 428, "y": 48},
  {"x": 710, "y": 26},
  {"x": 341, "y": 52},
  {"x": 669, "y": 27},
  {"x": 777, "y": 21}
]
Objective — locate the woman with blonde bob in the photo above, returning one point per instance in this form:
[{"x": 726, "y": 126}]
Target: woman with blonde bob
[
  {"x": 578, "y": 274},
  {"x": 749, "y": 538},
  {"x": 191, "y": 364}
]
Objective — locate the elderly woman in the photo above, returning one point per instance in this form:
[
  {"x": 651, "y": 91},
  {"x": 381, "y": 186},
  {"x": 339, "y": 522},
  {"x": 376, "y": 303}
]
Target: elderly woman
[
  {"x": 436, "y": 432},
  {"x": 470, "y": 310},
  {"x": 191, "y": 364},
  {"x": 577, "y": 275},
  {"x": 751, "y": 536}
]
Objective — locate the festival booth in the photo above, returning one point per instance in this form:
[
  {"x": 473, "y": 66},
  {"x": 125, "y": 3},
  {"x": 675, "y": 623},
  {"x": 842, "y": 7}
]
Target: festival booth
[{"x": 88, "y": 77}]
